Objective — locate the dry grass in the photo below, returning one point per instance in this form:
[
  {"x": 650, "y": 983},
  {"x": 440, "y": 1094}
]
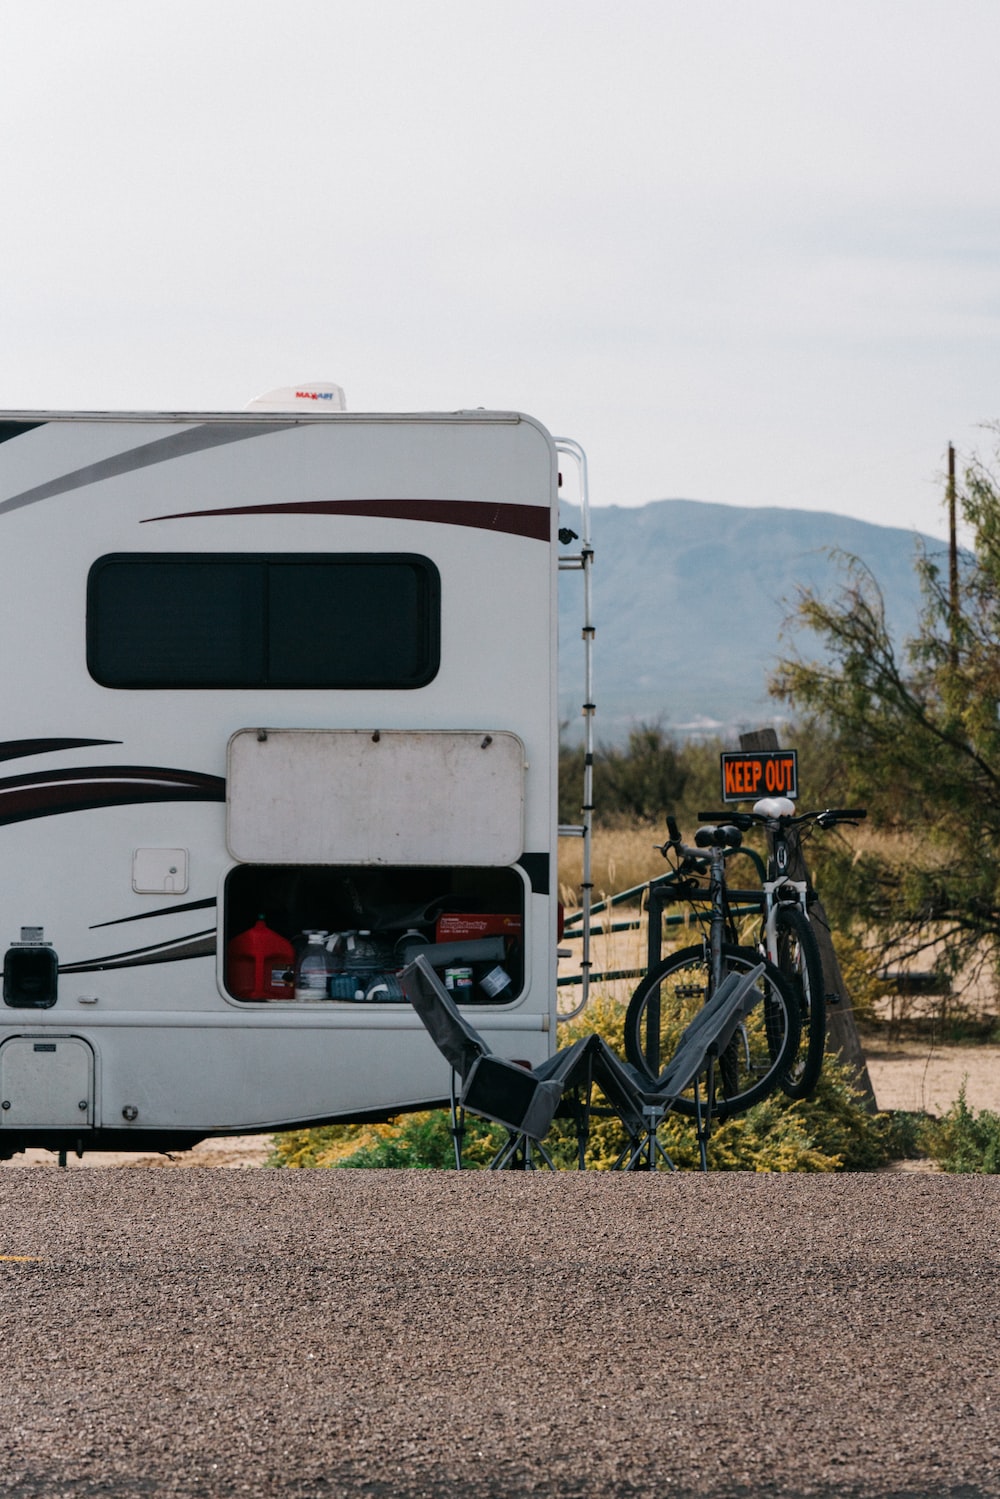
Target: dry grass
[
  {"x": 624, "y": 858},
  {"x": 620, "y": 859}
]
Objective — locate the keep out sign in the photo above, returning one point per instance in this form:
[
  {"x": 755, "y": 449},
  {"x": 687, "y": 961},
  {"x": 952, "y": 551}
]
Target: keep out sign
[{"x": 745, "y": 777}]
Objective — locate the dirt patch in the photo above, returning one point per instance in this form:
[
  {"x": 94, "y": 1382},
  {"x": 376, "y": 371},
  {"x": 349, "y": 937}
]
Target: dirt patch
[
  {"x": 236, "y": 1153},
  {"x": 925, "y": 1078}
]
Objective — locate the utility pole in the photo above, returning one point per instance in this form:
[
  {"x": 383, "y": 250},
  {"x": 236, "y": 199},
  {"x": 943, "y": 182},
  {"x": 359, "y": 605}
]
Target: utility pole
[{"x": 952, "y": 560}]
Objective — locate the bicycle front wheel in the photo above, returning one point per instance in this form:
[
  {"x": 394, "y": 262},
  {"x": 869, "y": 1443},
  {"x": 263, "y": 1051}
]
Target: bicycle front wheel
[
  {"x": 669, "y": 997},
  {"x": 802, "y": 969}
]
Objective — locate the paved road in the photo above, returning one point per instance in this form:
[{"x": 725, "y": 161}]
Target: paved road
[{"x": 211, "y": 1333}]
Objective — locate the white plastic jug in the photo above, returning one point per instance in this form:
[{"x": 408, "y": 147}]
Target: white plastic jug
[{"x": 314, "y": 966}]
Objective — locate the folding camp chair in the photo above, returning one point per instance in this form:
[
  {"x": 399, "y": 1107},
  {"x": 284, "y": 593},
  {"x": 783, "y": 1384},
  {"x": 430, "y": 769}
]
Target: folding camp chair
[
  {"x": 521, "y": 1099},
  {"x": 642, "y": 1104},
  {"x": 524, "y": 1100}
]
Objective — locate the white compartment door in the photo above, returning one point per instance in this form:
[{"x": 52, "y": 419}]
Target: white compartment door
[
  {"x": 46, "y": 1081},
  {"x": 347, "y": 796}
]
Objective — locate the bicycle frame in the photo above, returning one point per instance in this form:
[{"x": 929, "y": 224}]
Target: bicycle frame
[
  {"x": 717, "y": 919},
  {"x": 670, "y": 889},
  {"x": 695, "y": 859},
  {"x": 776, "y": 890}
]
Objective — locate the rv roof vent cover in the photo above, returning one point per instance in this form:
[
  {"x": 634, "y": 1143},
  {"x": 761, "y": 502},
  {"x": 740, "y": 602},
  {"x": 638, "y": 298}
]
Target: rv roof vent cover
[{"x": 311, "y": 395}]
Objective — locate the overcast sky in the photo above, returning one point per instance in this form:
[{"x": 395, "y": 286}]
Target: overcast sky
[{"x": 745, "y": 251}]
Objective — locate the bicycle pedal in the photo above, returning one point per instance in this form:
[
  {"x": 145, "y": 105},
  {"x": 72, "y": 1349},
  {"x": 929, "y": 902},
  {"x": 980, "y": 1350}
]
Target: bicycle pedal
[
  {"x": 833, "y": 999},
  {"x": 690, "y": 991}
]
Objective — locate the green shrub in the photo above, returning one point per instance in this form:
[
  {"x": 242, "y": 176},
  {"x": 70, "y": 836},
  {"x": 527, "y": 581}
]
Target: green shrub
[
  {"x": 908, "y": 1135},
  {"x": 963, "y": 1141},
  {"x": 421, "y": 1140}
]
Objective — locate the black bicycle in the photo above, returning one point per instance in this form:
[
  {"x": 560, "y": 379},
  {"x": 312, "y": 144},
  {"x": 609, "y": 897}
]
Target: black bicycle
[
  {"x": 672, "y": 992},
  {"x": 786, "y": 936}
]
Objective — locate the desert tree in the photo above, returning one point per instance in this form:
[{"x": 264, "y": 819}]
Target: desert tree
[{"x": 914, "y": 727}]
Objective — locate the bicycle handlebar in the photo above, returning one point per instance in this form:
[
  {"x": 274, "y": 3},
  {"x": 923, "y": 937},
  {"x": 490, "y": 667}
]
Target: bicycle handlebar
[{"x": 828, "y": 818}]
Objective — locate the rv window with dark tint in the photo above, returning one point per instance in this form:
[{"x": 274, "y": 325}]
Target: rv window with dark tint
[{"x": 195, "y": 620}]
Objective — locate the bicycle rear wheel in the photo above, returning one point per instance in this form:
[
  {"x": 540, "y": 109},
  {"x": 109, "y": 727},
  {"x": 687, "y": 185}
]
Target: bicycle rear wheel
[
  {"x": 669, "y": 997},
  {"x": 802, "y": 968}
]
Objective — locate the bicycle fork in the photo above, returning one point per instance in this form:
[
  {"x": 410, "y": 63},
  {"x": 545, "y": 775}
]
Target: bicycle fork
[{"x": 769, "y": 935}]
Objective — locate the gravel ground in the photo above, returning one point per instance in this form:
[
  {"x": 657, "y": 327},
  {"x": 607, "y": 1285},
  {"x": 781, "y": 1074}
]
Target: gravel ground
[{"x": 215, "y": 1333}]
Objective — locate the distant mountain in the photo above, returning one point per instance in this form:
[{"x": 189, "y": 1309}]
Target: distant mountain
[{"x": 692, "y": 603}]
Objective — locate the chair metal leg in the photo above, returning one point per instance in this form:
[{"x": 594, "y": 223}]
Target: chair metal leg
[
  {"x": 579, "y": 1111},
  {"x": 521, "y": 1144},
  {"x": 699, "y": 1128},
  {"x": 537, "y": 1145},
  {"x": 646, "y": 1152},
  {"x": 456, "y": 1123},
  {"x": 584, "y": 1102},
  {"x": 703, "y": 1117}
]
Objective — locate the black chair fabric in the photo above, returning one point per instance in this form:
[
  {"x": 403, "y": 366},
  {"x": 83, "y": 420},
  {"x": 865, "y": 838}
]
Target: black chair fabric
[
  {"x": 458, "y": 1041},
  {"x": 522, "y": 1099}
]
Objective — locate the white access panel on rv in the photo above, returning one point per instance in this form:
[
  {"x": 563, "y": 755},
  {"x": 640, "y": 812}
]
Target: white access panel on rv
[
  {"x": 267, "y": 673},
  {"x": 354, "y": 796}
]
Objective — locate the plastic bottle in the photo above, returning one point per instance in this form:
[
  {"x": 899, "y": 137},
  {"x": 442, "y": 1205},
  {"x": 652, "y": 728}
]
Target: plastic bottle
[
  {"x": 314, "y": 966},
  {"x": 259, "y": 964},
  {"x": 360, "y": 960}
]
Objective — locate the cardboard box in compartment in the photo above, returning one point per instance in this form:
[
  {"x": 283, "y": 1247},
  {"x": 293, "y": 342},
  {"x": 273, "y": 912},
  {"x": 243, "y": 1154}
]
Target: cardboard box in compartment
[{"x": 461, "y": 926}]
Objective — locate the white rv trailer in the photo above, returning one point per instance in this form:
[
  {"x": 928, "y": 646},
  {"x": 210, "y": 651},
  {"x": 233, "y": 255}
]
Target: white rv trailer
[{"x": 270, "y": 664}]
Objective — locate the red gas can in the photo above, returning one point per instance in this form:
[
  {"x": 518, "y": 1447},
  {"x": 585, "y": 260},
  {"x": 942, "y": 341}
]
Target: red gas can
[{"x": 259, "y": 964}]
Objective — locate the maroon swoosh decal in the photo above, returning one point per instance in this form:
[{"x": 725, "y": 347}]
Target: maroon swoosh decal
[
  {"x": 532, "y": 521},
  {"x": 45, "y": 795}
]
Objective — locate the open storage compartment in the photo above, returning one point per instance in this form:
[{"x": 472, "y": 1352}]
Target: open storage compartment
[{"x": 468, "y": 920}]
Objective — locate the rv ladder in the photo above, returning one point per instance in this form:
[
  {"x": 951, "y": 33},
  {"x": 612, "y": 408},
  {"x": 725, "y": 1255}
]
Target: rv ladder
[{"x": 583, "y": 561}]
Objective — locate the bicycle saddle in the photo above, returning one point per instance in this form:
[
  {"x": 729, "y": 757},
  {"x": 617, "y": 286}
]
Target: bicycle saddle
[{"x": 774, "y": 806}]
